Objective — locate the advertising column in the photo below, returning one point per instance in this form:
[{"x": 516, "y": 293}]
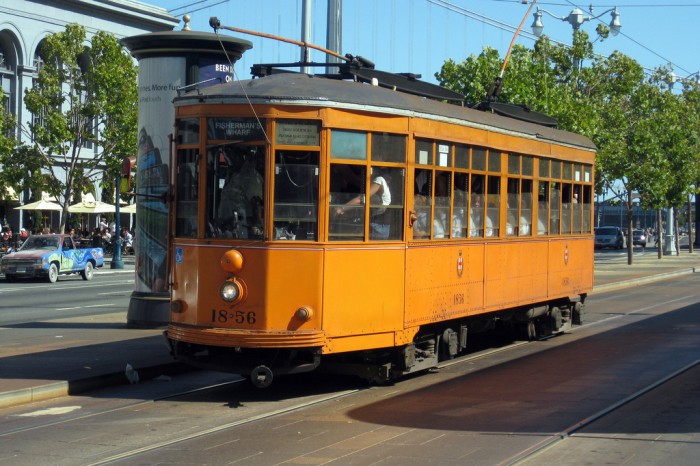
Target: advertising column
[{"x": 167, "y": 61}]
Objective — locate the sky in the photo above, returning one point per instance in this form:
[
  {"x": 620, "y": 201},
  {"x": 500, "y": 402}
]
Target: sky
[{"x": 418, "y": 36}]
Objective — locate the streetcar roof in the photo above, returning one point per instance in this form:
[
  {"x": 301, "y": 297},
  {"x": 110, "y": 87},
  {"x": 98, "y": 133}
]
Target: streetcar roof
[{"x": 310, "y": 90}]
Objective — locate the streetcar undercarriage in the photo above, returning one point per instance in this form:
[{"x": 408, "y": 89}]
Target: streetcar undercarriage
[{"x": 434, "y": 343}]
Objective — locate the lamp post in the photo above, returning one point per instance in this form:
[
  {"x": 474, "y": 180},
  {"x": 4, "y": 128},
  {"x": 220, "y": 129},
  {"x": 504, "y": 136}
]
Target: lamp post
[
  {"x": 669, "y": 236},
  {"x": 117, "y": 262},
  {"x": 576, "y": 18}
]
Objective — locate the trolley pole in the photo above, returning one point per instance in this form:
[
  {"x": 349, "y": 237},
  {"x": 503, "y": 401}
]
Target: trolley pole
[{"x": 117, "y": 262}]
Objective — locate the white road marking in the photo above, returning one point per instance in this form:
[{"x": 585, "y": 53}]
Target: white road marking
[{"x": 51, "y": 411}]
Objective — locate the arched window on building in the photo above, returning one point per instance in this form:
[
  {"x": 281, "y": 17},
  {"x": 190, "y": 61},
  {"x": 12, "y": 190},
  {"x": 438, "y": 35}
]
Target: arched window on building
[
  {"x": 8, "y": 77},
  {"x": 38, "y": 64},
  {"x": 91, "y": 126}
]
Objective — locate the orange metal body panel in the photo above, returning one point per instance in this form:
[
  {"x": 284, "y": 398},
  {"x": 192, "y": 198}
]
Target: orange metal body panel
[
  {"x": 515, "y": 273},
  {"x": 435, "y": 288},
  {"x": 361, "y": 307},
  {"x": 275, "y": 288},
  {"x": 364, "y": 290},
  {"x": 356, "y": 120},
  {"x": 495, "y": 276},
  {"x": 570, "y": 266}
]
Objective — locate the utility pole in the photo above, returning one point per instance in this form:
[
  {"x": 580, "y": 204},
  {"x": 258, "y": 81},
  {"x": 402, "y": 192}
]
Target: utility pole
[
  {"x": 305, "y": 34},
  {"x": 334, "y": 31}
]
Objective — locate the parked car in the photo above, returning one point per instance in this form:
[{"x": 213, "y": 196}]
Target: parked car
[
  {"x": 639, "y": 238},
  {"x": 609, "y": 237}
]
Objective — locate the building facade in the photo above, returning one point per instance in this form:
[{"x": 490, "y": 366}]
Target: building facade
[{"x": 25, "y": 23}]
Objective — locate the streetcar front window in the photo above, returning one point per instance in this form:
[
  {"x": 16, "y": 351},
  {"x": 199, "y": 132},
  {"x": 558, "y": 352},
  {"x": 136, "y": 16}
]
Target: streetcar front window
[
  {"x": 235, "y": 191},
  {"x": 187, "y": 193}
]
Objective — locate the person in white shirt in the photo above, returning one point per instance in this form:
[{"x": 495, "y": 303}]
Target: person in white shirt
[{"x": 380, "y": 197}]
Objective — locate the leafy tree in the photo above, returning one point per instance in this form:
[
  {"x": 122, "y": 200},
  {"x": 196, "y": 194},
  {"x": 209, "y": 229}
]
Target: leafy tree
[
  {"x": 647, "y": 137},
  {"x": 84, "y": 96}
]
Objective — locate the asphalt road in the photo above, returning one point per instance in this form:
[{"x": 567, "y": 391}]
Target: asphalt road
[
  {"x": 34, "y": 300},
  {"x": 498, "y": 407}
]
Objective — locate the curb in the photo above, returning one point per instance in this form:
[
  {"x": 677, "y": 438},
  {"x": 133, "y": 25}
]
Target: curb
[
  {"x": 641, "y": 280},
  {"x": 75, "y": 387}
]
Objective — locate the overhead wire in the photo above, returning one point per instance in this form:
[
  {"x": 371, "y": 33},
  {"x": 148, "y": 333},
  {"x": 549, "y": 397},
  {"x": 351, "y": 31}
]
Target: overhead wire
[{"x": 509, "y": 28}]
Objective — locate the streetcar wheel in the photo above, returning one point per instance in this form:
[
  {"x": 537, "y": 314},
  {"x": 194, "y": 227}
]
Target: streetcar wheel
[
  {"x": 450, "y": 343},
  {"x": 261, "y": 377},
  {"x": 531, "y": 330},
  {"x": 556, "y": 317},
  {"x": 88, "y": 272},
  {"x": 527, "y": 330},
  {"x": 53, "y": 273},
  {"x": 579, "y": 313}
]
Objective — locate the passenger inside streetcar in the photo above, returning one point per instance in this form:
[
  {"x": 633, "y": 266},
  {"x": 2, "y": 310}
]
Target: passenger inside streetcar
[{"x": 380, "y": 198}]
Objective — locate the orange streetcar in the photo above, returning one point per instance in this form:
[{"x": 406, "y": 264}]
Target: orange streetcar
[{"x": 367, "y": 226}]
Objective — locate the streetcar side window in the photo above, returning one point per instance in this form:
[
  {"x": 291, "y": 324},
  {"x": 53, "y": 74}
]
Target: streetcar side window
[
  {"x": 387, "y": 147},
  {"x": 460, "y": 207},
  {"x": 347, "y": 217},
  {"x": 525, "y": 208},
  {"x": 296, "y": 195},
  {"x": 566, "y": 207},
  {"x": 512, "y": 207},
  {"x": 555, "y": 205},
  {"x": 387, "y": 204},
  {"x": 348, "y": 145},
  {"x": 542, "y": 207},
  {"x": 442, "y": 223},
  {"x": 493, "y": 205},
  {"x": 577, "y": 206},
  {"x": 476, "y": 209},
  {"x": 422, "y": 194},
  {"x": 587, "y": 203},
  {"x": 187, "y": 193}
]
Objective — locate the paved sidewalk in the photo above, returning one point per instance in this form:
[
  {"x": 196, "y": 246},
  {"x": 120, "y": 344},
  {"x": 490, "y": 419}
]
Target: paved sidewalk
[{"x": 43, "y": 360}]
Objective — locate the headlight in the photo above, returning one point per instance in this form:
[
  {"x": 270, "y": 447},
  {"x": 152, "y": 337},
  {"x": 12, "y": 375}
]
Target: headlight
[{"x": 231, "y": 291}]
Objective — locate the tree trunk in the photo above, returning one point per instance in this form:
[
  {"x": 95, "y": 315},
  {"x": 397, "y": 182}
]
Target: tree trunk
[
  {"x": 659, "y": 233},
  {"x": 676, "y": 231}
]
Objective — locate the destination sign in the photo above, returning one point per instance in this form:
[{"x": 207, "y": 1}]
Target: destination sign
[
  {"x": 297, "y": 133},
  {"x": 238, "y": 129}
]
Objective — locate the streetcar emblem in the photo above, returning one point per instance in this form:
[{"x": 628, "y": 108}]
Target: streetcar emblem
[
  {"x": 566, "y": 254},
  {"x": 460, "y": 264},
  {"x": 178, "y": 255}
]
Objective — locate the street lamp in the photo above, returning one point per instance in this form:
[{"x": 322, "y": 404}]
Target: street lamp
[
  {"x": 673, "y": 78},
  {"x": 576, "y": 18}
]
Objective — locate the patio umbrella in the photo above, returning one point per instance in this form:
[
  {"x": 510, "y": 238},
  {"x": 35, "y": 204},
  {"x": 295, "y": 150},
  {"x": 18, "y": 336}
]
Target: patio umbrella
[
  {"x": 40, "y": 205},
  {"x": 91, "y": 207},
  {"x": 129, "y": 209}
]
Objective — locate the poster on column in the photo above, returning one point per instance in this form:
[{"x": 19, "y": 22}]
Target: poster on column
[
  {"x": 159, "y": 79},
  {"x": 214, "y": 71}
]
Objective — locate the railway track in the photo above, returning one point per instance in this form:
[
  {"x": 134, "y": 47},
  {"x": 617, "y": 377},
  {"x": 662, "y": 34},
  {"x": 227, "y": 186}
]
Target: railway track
[
  {"x": 532, "y": 452},
  {"x": 222, "y": 414}
]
